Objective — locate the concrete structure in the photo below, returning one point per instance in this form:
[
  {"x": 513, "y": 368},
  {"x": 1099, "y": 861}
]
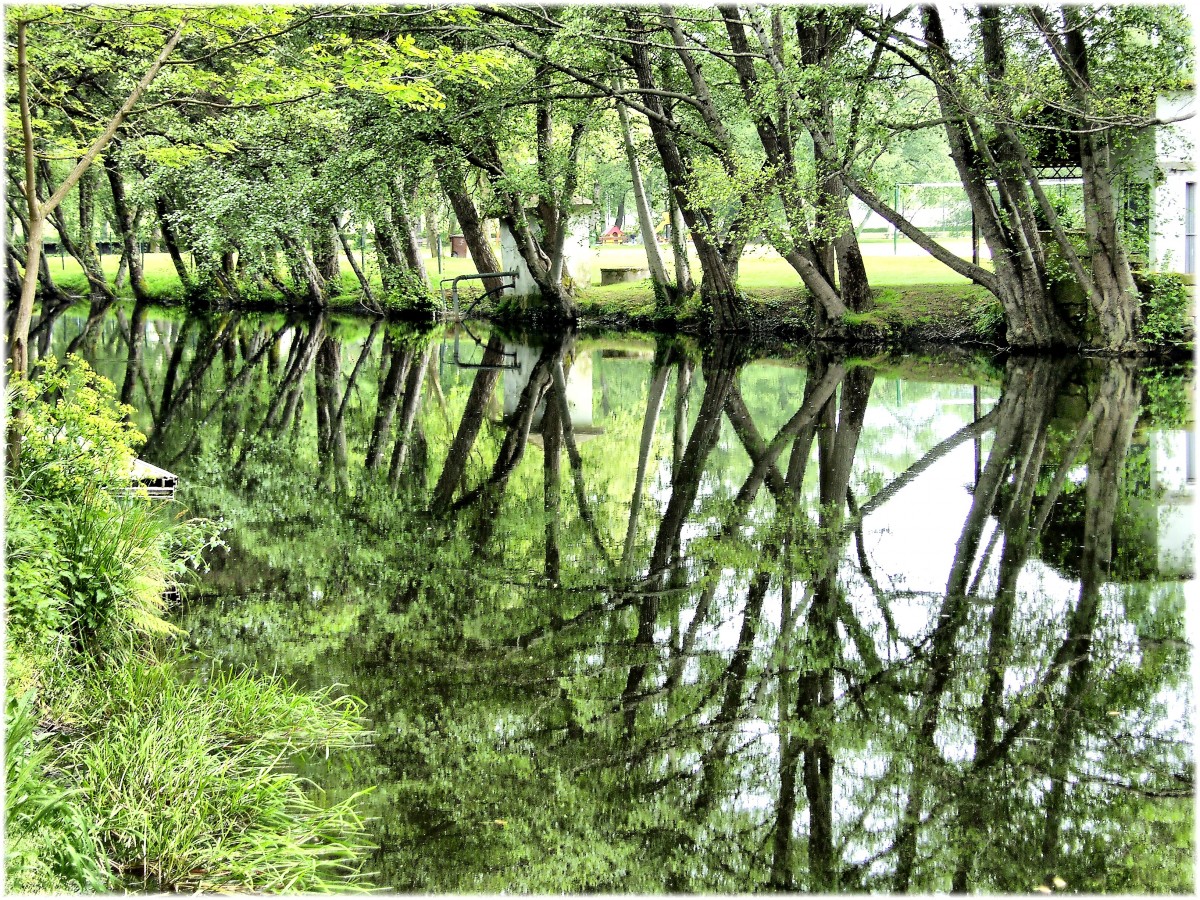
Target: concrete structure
[
  {"x": 577, "y": 252},
  {"x": 617, "y": 276}
]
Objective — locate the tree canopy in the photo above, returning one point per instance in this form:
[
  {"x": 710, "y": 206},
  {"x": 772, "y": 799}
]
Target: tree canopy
[{"x": 249, "y": 140}]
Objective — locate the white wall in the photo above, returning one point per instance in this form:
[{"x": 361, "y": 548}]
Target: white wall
[
  {"x": 1174, "y": 154},
  {"x": 577, "y": 259},
  {"x": 1168, "y": 235}
]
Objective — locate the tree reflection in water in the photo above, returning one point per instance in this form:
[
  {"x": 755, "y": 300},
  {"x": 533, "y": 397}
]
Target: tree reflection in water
[{"x": 806, "y": 623}]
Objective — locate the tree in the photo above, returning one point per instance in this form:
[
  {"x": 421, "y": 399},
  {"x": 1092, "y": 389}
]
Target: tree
[
  {"x": 40, "y": 211},
  {"x": 981, "y": 91}
]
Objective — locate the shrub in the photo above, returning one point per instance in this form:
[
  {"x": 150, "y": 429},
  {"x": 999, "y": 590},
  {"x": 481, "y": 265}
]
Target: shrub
[
  {"x": 1167, "y": 309},
  {"x": 74, "y": 434},
  {"x": 36, "y": 598}
]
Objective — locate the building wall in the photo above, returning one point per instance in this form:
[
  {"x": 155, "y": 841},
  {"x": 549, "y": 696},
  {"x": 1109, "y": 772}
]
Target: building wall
[
  {"x": 1174, "y": 160},
  {"x": 1167, "y": 239},
  {"x": 578, "y": 259}
]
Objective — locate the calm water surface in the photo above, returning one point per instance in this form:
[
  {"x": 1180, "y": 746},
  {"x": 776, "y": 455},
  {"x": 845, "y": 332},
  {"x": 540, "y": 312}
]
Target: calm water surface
[{"x": 633, "y": 614}]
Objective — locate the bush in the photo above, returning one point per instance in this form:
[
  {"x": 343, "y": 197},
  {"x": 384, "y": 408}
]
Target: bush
[
  {"x": 94, "y": 571},
  {"x": 1167, "y": 309},
  {"x": 120, "y": 555},
  {"x": 75, "y": 436},
  {"x": 36, "y": 599},
  {"x": 85, "y": 561}
]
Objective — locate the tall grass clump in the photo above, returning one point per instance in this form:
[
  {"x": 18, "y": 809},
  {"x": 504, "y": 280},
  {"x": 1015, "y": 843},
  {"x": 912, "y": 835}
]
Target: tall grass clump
[
  {"x": 47, "y": 842},
  {"x": 122, "y": 770},
  {"x": 184, "y": 783}
]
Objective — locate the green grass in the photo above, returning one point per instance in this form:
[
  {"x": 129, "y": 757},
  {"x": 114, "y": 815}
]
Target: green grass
[
  {"x": 123, "y": 770},
  {"x": 761, "y": 270},
  {"x": 913, "y": 290},
  {"x": 182, "y": 778},
  {"x": 48, "y": 845}
]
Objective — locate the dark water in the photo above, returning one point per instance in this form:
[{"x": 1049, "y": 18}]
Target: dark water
[{"x": 633, "y": 614}]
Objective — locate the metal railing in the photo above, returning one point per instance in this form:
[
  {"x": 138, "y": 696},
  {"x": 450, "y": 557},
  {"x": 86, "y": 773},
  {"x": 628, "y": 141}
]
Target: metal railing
[{"x": 512, "y": 279}]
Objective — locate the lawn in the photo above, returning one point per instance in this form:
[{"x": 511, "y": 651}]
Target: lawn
[{"x": 763, "y": 275}]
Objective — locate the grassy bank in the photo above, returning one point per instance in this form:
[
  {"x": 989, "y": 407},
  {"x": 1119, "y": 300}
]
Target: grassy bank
[
  {"x": 761, "y": 271},
  {"x": 917, "y": 300},
  {"x": 122, "y": 771}
]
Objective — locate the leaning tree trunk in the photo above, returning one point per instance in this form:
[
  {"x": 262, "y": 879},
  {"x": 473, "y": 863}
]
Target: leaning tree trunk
[
  {"x": 718, "y": 286},
  {"x": 127, "y": 223},
  {"x": 402, "y": 199},
  {"x": 658, "y": 269},
  {"x": 89, "y": 253},
  {"x": 453, "y": 184},
  {"x": 307, "y": 282}
]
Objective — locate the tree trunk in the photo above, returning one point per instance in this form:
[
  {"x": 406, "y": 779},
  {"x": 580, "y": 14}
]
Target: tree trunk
[
  {"x": 679, "y": 248},
  {"x": 658, "y": 269},
  {"x": 718, "y": 286},
  {"x": 38, "y": 212},
  {"x": 126, "y": 221},
  {"x": 813, "y": 257},
  {"x": 1116, "y": 297},
  {"x": 325, "y": 254},
  {"x": 407, "y": 232},
  {"x": 453, "y": 184},
  {"x": 171, "y": 241},
  {"x": 83, "y": 246},
  {"x": 363, "y": 281},
  {"x": 307, "y": 282}
]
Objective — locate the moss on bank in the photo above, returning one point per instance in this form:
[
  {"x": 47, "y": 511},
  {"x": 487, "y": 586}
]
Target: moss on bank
[{"x": 919, "y": 314}]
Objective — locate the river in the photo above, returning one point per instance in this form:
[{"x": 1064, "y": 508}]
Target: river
[{"x": 641, "y": 614}]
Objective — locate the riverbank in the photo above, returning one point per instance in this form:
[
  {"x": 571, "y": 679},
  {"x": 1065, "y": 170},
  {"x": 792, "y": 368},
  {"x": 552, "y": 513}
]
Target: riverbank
[
  {"x": 123, "y": 771},
  {"x": 917, "y": 303}
]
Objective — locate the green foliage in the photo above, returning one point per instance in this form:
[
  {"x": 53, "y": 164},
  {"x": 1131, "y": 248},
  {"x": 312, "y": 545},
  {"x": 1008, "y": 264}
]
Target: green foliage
[
  {"x": 37, "y": 604},
  {"x": 149, "y": 774},
  {"x": 405, "y": 292},
  {"x": 48, "y": 844},
  {"x": 1166, "y": 303},
  {"x": 75, "y": 437},
  {"x": 183, "y": 780},
  {"x": 987, "y": 316},
  {"x": 1168, "y": 399}
]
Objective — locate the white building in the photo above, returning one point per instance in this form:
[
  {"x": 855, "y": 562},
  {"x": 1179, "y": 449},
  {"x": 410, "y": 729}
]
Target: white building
[
  {"x": 1173, "y": 212},
  {"x": 577, "y": 252}
]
